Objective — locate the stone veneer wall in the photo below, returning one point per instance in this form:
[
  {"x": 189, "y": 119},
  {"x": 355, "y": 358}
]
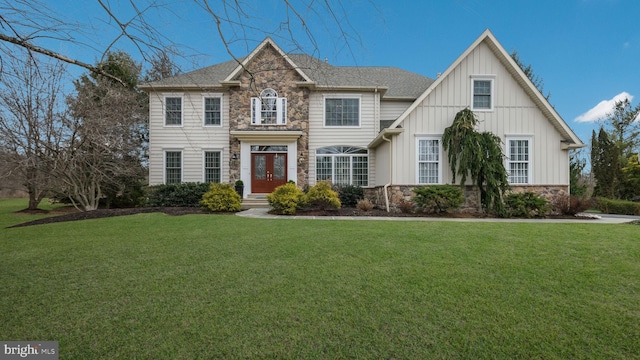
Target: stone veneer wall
[
  {"x": 400, "y": 193},
  {"x": 269, "y": 69}
]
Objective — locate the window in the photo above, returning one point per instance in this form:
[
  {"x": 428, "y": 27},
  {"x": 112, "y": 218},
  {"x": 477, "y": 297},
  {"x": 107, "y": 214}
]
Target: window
[
  {"x": 482, "y": 94},
  {"x": 173, "y": 111},
  {"x": 212, "y": 111},
  {"x": 212, "y": 170},
  {"x": 343, "y": 165},
  {"x": 429, "y": 164},
  {"x": 519, "y": 160},
  {"x": 172, "y": 167},
  {"x": 342, "y": 112},
  {"x": 268, "y": 109}
]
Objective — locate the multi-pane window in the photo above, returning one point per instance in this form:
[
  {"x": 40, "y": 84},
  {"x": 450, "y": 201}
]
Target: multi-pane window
[
  {"x": 342, "y": 112},
  {"x": 212, "y": 111},
  {"x": 268, "y": 109},
  {"x": 212, "y": 168},
  {"x": 173, "y": 111},
  {"x": 343, "y": 165},
  {"x": 482, "y": 94},
  {"x": 429, "y": 163},
  {"x": 173, "y": 167},
  {"x": 519, "y": 161}
]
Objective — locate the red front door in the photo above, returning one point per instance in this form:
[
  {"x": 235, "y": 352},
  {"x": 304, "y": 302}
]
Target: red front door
[{"x": 269, "y": 170}]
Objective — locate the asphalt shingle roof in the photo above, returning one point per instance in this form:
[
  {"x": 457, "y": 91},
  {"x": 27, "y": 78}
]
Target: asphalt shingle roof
[{"x": 400, "y": 83}]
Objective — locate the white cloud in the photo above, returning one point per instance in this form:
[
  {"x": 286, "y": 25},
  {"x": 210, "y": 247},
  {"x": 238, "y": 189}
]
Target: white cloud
[{"x": 604, "y": 108}]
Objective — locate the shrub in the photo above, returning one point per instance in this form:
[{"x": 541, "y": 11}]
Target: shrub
[
  {"x": 438, "y": 198},
  {"x": 406, "y": 207},
  {"x": 176, "y": 195},
  {"x": 221, "y": 198},
  {"x": 526, "y": 204},
  {"x": 364, "y": 205},
  {"x": 321, "y": 196},
  {"x": 570, "y": 205},
  {"x": 349, "y": 195},
  {"x": 286, "y": 199},
  {"x": 620, "y": 207}
]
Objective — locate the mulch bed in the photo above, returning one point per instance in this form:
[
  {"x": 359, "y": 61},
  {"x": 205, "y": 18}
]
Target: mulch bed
[{"x": 69, "y": 213}]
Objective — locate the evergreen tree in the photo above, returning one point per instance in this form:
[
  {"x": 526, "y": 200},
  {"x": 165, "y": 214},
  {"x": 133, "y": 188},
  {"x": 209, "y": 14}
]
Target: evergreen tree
[{"x": 479, "y": 156}]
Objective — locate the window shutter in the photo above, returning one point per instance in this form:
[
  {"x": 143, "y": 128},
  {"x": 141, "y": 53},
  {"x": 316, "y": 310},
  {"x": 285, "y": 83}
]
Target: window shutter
[
  {"x": 282, "y": 111},
  {"x": 256, "y": 110}
]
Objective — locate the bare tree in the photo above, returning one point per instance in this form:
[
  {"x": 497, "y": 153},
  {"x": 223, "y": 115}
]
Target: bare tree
[
  {"x": 33, "y": 24},
  {"x": 30, "y": 123}
]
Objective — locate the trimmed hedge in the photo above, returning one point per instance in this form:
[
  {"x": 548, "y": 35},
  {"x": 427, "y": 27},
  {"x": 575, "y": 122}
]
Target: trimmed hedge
[
  {"x": 620, "y": 207},
  {"x": 176, "y": 195},
  {"x": 438, "y": 198},
  {"x": 526, "y": 204}
]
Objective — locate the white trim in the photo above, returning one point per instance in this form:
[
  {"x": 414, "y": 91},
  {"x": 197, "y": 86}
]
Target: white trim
[
  {"x": 529, "y": 139},
  {"x": 218, "y": 150},
  {"x": 204, "y": 113},
  {"x": 341, "y": 96},
  {"x": 440, "y": 159},
  {"x": 164, "y": 108},
  {"x": 491, "y": 79},
  {"x": 164, "y": 163},
  {"x": 350, "y": 156}
]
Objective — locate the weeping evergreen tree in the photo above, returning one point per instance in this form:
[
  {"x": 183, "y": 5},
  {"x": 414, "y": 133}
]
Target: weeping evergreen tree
[{"x": 479, "y": 156}]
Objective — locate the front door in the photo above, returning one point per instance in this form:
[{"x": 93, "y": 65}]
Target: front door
[{"x": 269, "y": 170}]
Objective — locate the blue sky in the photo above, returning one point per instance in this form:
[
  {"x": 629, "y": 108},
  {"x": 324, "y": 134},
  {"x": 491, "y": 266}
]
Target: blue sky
[{"x": 586, "y": 51}]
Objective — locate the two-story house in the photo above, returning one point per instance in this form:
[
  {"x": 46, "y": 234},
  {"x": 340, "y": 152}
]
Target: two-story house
[{"x": 273, "y": 117}]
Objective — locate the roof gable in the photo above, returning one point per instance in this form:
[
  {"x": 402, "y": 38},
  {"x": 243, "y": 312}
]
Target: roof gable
[
  {"x": 266, "y": 42},
  {"x": 512, "y": 68}
]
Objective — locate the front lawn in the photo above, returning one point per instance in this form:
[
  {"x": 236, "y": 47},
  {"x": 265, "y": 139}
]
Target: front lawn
[{"x": 153, "y": 286}]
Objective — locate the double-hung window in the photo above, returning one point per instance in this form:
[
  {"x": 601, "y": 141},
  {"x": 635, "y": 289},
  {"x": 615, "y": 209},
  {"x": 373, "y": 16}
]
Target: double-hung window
[
  {"x": 268, "y": 109},
  {"x": 212, "y": 168},
  {"x": 343, "y": 165},
  {"x": 342, "y": 111},
  {"x": 482, "y": 93},
  {"x": 519, "y": 160},
  {"x": 429, "y": 155},
  {"x": 212, "y": 110},
  {"x": 172, "y": 167},
  {"x": 173, "y": 111}
]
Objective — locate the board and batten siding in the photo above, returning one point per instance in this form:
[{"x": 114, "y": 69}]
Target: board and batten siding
[
  {"x": 192, "y": 138},
  {"x": 321, "y": 136},
  {"x": 513, "y": 114}
]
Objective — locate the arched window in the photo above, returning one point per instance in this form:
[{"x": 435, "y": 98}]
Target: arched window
[
  {"x": 343, "y": 165},
  {"x": 268, "y": 109}
]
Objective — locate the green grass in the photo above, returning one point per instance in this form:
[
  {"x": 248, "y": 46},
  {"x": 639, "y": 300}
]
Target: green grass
[{"x": 151, "y": 286}]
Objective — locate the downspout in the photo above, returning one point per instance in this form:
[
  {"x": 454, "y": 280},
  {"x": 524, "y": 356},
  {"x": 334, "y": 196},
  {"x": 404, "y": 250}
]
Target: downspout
[{"x": 386, "y": 186}]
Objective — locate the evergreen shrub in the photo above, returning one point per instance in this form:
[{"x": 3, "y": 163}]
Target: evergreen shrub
[
  {"x": 438, "y": 198},
  {"x": 321, "y": 196},
  {"x": 286, "y": 199},
  {"x": 221, "y": 198},
  {"x": 526, "y": 204},
  {"x": 176, "y": 195}
]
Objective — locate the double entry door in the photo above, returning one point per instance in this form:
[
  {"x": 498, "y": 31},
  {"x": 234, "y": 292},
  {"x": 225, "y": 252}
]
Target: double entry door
[{"x": 269, "y": 170}]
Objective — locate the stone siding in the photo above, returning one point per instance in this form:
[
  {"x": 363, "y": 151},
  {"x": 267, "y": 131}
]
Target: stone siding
[
  {"x": 404, "y": 193},
  {"x": 268, "y": 69}
]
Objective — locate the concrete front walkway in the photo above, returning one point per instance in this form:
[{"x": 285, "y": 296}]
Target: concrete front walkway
[{"x": 262, "y": 213}]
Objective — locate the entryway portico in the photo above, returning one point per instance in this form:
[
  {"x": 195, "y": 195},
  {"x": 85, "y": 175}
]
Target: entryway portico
[{"x": 268, "y": 159}]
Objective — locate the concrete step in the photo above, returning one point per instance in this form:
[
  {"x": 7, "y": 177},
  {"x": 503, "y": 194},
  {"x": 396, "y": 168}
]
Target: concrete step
[{"x": 255, "y": 202}]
